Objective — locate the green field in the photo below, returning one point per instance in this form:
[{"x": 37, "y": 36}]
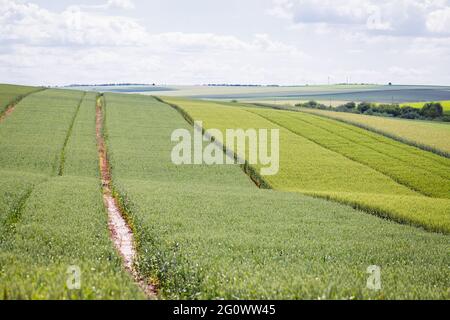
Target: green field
[
  {"x": 268, "y": 94},
  {"x": 49, "y": 222},
  {"x": 433, "y": 136},
  {"x": 344, "y": 163},
  {"x": 10, "y": 94},
  {"x": 207, "y": 232},
  {"x": 229, "y": 91}
]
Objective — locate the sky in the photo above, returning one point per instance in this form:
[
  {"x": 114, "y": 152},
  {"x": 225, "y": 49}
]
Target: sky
[{"x": 285, "y": 42}]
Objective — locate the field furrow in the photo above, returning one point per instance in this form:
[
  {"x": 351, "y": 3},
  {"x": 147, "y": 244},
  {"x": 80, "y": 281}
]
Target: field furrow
[
  {"x": 62, "y": 157},
  {"x": 81, "y": 150},
  {"x": 33, "y": 137},
  {"x": 12, "y": 94},
  {"x": 15, "y": 188}
]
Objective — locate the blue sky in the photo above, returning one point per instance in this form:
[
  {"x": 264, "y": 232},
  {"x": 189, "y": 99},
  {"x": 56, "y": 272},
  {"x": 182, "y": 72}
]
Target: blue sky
[{"x": 215, "y": 41}]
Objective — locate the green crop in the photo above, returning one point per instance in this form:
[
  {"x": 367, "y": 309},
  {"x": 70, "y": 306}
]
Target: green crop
[
  {"x": 426, "y": 135},
  {"x": 49, "y": 223},
  {"x": 81, "y": 157},
  {"x": 206, "y": 232},
  {"x": 10, "y": 94},
  {"x": 423, "y": 172},
  {"x": 63, "y": 223},
  {"x": 338, "y": 166},
  {"x": 34, "y": 135}
]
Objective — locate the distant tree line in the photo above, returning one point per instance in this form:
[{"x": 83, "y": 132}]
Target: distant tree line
[
  {"x": 430, "y": 111},
  {"x": 240, "y": 85},
  {"x": 111, "y": 85}
]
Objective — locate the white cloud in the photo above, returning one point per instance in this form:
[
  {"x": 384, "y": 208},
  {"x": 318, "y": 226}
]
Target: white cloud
[
  {"x": 90, "y": 45},
  {"x": 439, "y": 21},
  {"x": 282, "y": 9},
  {"x": 95, "y": 44},
  {"x": 123, "y": 4},
  {"x": 28, "y": 23},
  {"x": 111, "y": 4},
  {"x": 394, "y": 18}
]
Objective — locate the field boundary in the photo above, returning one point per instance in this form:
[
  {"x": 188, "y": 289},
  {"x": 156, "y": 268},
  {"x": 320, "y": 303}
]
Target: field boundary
[
  {"x": 15, "y": 214},
  {"x": 10, "y": 106},
  {"x": 121, "y": 230},
  {"x": 251, "y": 172},
  {"x": 380, "y": 213},
  {"x": 62, "y": 158},
  {"x": 409, "y": 142},
  {"x": 377, "y": 212},
  {"x": 366, "y": 132},
  {"x": 426, "y": 169},
  {"x": 347, "y": 157},
  {"x": 397, "y": 138},
  {"x": 385, "y": 214},
  {"x": 368, "y": 209}
]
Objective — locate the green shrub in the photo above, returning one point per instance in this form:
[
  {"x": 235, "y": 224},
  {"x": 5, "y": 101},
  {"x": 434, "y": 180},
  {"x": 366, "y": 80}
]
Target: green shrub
[
  {"x": 364, "y": 106},
  {"x": 432, "y": 110}
]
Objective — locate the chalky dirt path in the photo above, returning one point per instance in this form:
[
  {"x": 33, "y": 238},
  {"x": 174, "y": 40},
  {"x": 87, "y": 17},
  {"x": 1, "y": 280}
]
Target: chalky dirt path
[{"x": 121, "y": 233}]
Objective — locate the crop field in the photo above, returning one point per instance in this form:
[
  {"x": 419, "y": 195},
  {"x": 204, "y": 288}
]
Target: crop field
[
  {"x": 204, "y": 90},
  {"x": 382, "y": 95},
  {"x": 11, "y": 93},
  {"x": 208, "y": 232},
  {"x": 422, "y": 172},
  {"x": 51, "y": 211},
  {"x": 288, "y": 104},
  {"x": 286, "y": 94},
  {"x": 347, "y": 164},
  {"x": 122, "y": 89},
  {"x": 224, "y": 159},
  {"x": 369, "y": 93},
  {"x": 434, "y": 136}
]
